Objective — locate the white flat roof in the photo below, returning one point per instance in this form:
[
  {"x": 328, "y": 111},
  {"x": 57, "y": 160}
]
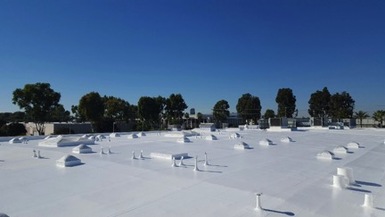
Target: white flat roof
[{"x": 293, "y": 181}]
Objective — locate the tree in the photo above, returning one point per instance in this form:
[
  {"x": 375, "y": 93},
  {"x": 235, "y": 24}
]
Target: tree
[
  {"x": 149, "y": 111},
  {"x": 117, "y": 109},
  {"x": 319, "y": 103},
  {"x": 175, "y": 106},
  {"x": 91, "y": 107},
  {"x": 13, "y": 129},
  {"x": 361, "y": 115},
  {"x": 286, "y": 102},
  {"x": 221, "y": 111},
  {"x": 38, "y": 101},
  {"x": 199, "y": 119},
  {"x": 59, "y": 114},
  {"x": 379, "y": 116},
  {"x": 249, "y": 107},
  {"x": 341, "y": 105},
  {"x": 15, "y": 117},
  {"x": 76, "y": 114},
  {"x": 269, "y": 113}
]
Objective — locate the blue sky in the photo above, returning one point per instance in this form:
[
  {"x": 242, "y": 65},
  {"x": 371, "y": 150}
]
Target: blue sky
[{"x": 205, "y": 50}]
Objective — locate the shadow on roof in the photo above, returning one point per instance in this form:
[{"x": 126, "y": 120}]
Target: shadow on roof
[
  {"x": 368, "y": 183},
  {"x": 359, "y": 190},
  {"x": 279, "y": 212}
]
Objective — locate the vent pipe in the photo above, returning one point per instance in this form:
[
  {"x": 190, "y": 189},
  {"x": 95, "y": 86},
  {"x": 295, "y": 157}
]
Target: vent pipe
[
  {"x": 258, "y": 201},
  {"x": 181, "y": 161},
  {"x": 133, "y": 155},
  {"x": 141, "y": 154},
  {"x": 206, "y": 161},
  {"x": 173, "y": 162},
  {"x": 368, "y": 201},
  {"x": 196, "y": 164}
]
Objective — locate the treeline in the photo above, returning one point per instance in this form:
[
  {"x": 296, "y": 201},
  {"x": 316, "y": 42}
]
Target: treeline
[{"x": 41, "y": 104}]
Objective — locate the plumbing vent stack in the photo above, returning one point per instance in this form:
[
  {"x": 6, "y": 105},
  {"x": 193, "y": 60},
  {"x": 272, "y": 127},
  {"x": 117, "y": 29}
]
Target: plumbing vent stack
[
  {"x": 141, "y": 154},
  {"x": 347, "y": 172},
  {"x": 339, "y": 181},
  {"x": 173, "y": 162},
  {"x": 133, "y": 155},
  {"x": 258, "y": 201},
  {"x": 181, "y": 161},
  {"x": 101, "y": 151},
  {"x": 196, "y": 164},
  {"x": 206, "y": 162},
  {"x": 368, "y": 201},
  {"x": 34, "y": 153}
]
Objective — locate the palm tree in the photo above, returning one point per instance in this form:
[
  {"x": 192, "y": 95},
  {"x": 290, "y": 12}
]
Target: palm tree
[
  {"x": 379, "y": 116},
  {"x": 361, "y": 115}
]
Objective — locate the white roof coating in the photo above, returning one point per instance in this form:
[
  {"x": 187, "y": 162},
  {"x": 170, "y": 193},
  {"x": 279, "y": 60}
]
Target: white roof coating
[{"x": 293, "y": 182}]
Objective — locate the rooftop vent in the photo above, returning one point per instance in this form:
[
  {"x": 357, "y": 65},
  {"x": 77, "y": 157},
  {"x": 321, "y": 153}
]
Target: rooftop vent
[
  {"x": 68, "y": 161},
  {"x": 235, "y": 136},
  {"x": 340, "y": 150},
  {"x": 265, "y": 142},
  {"x": 258, "y": 201},
  {"x": 287, "y": 140},
  {"x": 82, "y": 149},
  {"x": 211, "y": 137},
  {"x": 241, "y": 146},
  {"x": 132, "y": 136},
  {"x": 183, "y": 139},
  {"x": 368, "y": 200},
  {"x": 347, "y": 172},
  {"x": 325, "y": 155},
  {"x": 353, "y": 145},
  {"x": 339, "y": 181},
  {"x": 114, "y": 135},
  {"x": 141, "y": 134},
  {"x": 14, "y": 140}
]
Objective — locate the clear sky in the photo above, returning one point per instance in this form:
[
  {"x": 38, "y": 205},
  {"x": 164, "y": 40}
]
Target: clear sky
[{"x": 205, "y": 50}]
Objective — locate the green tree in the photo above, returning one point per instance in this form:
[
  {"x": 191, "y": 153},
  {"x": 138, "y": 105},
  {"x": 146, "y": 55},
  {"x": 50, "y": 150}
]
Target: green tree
[
  {"x": 379, "y": 116},
  {"x": 76, "y": 114},
  {"x": 13, "y": 129},
  {"x": 249, "y": 107},
  {"x": 319, "y": 103},
  {"x": 59, "y": 114},
  {"x": 175, "y": 105},
  {"x": 117, "y": 109},
  {"x": 149, "y": 111},
  {"x": 199, "y": 119},
  {"x": 286, "y": 102},
  {"x": 361, "y": 115},
  {"x": 341, "y": 105},
  {"x": 91, "y": 107},
  {"x": 18, "y": 116},
  {"x": 221, "y": 111},
  {"x": 38, "y": 101},
  {"x": 269, "y": 113}
]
